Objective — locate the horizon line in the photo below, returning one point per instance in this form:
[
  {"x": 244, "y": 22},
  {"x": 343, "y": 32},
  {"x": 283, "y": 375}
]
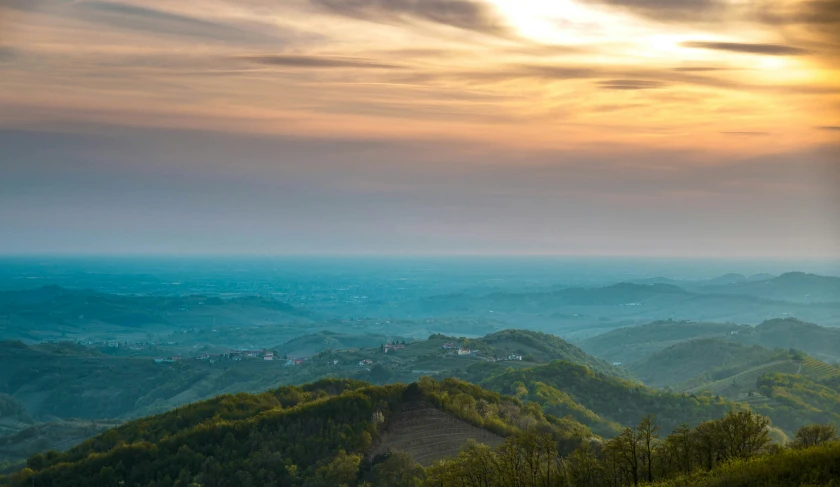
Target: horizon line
[{"x": 15, "y": 255}]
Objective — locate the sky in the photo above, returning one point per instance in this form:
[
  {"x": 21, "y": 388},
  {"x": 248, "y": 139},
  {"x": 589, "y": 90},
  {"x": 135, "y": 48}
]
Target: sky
[{"x": 588, "y": 127}]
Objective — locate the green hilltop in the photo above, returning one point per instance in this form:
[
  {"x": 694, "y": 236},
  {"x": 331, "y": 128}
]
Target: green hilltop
[
  {"x": 633, "y": 343},
  {"x": 450, "y": 434}
]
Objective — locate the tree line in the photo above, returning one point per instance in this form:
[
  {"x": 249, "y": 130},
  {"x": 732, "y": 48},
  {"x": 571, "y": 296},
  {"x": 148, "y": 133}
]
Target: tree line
[
  {"x": 641, "y": 456},
  {"x": 319, "y": 436}
]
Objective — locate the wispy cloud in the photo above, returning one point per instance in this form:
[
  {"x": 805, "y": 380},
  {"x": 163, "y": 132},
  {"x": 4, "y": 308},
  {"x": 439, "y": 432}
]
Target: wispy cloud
[
  {"x": 630, "y": 84},
  {"x": 747, "y": 48},
  {"x": 670, "y": 10},
  {"x": 23, "y": 4},
  {"x": 810, "y": 12},
  {"x": 300, "y": 61},
  {"x": 701, "y": 69},
  {"x": 151, "y": 20},
  {"x": 7, "y": 53},
  {"x": 473, "y": 15}
]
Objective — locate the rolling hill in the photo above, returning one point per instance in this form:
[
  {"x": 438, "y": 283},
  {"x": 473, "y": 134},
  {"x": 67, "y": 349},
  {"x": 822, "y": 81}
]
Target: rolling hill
[
  {"x": 793, "y": 286},
  {"x": 619, "y": 305},
  {"x": 315, "y": 343},
  {"x": 634, "y": 343},
  {"x": 291, "y": 436},
  {"x": 349, "y": 433},
  {"x": 702, "y": 359},
  {"x": 57, "y": 382},
  {"x": 602, "y": 402},
  {"x": 798, "y": 399},
  {"x": 54, "y": 312}
]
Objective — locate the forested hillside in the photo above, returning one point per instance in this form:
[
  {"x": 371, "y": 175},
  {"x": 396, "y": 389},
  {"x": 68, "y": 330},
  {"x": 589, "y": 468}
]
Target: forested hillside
[
  {"x": 73, "y": 381},
  {"x": 340, "y": 433},
  {"x": 535, "y": 347},
  {"x": 289, "y": 436},
  {"x": 604, "y": 403},
  {"x": 634, "y": 343},
  {"x": 703, "y": 360}
]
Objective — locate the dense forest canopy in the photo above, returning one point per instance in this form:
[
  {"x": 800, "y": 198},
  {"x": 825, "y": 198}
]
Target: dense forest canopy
[{"x": 323, "y": 434}]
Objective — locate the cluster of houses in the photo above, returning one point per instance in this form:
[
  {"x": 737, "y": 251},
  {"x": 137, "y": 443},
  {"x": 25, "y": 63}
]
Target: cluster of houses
[
  {"x": 235, "y": 355},
  {"x": 461, "y": 351},
  {"x": 135, "y": 346},
  {"x": 393, "y": 346},
  {"x": 250, "y": 354},
  {"x": 513, "y": 356},
  {"x": 167, "y": 360},
  {"x": 458, "y": 349}
]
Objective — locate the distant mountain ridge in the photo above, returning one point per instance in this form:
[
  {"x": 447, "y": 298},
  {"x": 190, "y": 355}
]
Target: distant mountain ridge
[
  {"x": 792, "y": 286},
  {"x": 712, "y": 357},
  {"x": 636, "y": 342},
  {"x": 630, "y": 303},
  {"x": 796, "y": 287},
  {"x": 53, "y": 312}
]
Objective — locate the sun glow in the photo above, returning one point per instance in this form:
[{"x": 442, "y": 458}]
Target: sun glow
[{"x": 554, "y": 21}]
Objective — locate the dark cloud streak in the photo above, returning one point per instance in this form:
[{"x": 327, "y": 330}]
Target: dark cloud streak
[
  {"x": 469, "y": 15},
  {"x": 299, "y": 61},
  {"x": 742, "y": 47},
  {"x": 146, "y": 19},
  {"x": 7, "y": 53},
  {"x": 670, "y": 10},
  {"x": 701, "y": 69},
  {"x": 630, "y": 84},
  {"x": 811, "y": 12}
]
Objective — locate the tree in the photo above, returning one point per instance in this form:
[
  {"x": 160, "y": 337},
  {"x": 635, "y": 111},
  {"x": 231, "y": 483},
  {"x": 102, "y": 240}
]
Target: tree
[
  {"x": 397, "y": 470},
  {"x": 648, "y": 436},
  {"x": 476, "y": 462},
  {"x": 814, "y": 434},
  {"x": 706, "y": 442},
  {"x": 743, "y": 434},
  {"x": 680, "y": 448},
  {"x": 341, "y": 471},
  {"x": 583, "y": 467},
  {"x": 624, "y": 448}
]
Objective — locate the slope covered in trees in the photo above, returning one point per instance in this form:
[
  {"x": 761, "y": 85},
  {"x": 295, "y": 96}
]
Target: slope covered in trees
[
  {"x": 347, "y": 433},
  {"x": 634, "y": 343},
  {"x": 798, "y": 400},
  {"x": 604, "y": 403},
  {"x": 311, "y": 435},
  {"x": 733, "y": 451},
  {"x": 537, "y": 347},
  {"x": 709, "y": 358}
]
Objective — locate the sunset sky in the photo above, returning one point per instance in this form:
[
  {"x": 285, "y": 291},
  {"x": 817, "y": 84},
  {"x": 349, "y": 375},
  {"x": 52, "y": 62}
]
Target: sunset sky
[{"x": 605, "y": 127}]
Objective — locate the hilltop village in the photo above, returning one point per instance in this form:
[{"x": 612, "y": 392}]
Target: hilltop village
[{"x": 451, "y": 349}]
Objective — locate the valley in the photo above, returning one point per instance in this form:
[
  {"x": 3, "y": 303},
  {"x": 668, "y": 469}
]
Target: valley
[{"x": 76, "y": 363}]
